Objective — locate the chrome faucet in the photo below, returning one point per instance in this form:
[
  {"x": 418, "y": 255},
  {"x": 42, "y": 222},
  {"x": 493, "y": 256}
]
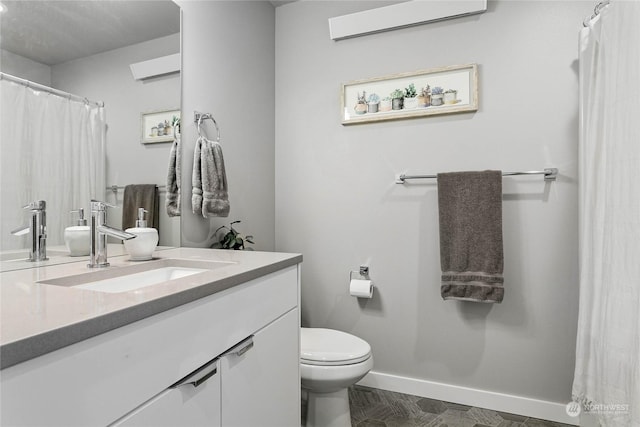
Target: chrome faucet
[
  {"x": 37, "y": 229},
  {"x": 99, "y": 232}
]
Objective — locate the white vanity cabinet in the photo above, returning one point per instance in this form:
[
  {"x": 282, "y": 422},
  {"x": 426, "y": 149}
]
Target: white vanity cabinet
[
  {"x": 258, "y": 383},
  {"x": 240, "y": 345},
  {"x": 260, "y": 388}
]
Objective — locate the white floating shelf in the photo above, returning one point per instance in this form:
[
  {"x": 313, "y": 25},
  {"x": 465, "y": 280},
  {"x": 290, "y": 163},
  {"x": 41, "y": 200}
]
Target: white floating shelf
[
  {"x": 401, "y": 15},
  {"x": 156, "y": 67}
]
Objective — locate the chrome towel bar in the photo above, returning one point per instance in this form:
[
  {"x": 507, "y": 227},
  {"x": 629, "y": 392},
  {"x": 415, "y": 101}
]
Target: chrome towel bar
[
  {"x": 550, "y": 174},
  {"x": 115, "y": 188}
]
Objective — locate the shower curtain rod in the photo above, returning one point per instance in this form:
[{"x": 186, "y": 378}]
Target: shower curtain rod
[
  {"x": 39, "y": 87},
  {"x": 596, "y": 12}
]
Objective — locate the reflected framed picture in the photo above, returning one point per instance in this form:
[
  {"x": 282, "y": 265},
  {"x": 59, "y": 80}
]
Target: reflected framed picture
[
  {"x": 160, "y": 126},
  {"x": 445, "y": 90}
]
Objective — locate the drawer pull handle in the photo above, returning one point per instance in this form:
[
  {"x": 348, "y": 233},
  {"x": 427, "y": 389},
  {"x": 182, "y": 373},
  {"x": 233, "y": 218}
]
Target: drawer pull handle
[
  {"x": 200, "y": 375},
  {"x": 241, "y": 348},
  {"x": 197, "y": 382},
  {"x": 247, "y": 347}
]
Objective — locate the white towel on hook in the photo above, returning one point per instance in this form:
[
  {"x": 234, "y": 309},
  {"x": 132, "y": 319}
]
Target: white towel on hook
[{"x": 210, "y": 195}]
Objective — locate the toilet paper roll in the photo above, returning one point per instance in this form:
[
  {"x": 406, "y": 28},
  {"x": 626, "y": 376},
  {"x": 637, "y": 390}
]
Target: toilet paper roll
[{"x": 361, "y": 288}]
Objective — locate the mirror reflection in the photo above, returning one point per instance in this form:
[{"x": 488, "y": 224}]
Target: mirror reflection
[{"x": 68, "y": 149}]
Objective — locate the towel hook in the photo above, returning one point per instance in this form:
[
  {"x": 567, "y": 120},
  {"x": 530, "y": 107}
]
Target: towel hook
[{"x": 200, "y": 117}]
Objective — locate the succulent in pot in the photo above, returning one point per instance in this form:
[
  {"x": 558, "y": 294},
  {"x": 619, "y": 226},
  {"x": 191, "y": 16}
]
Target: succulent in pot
[
  {"x": 450, "y": 96},
  {"x": 373, "y": 103},
  {"x": 385, "y": 104},
  {"x": 437, "y": 94},
  {"x": 424, "y": 98},
  {"x": 397, "y": 99},
  {"x": 361, "y": 105},
  {"x": 410, "y": 97}
]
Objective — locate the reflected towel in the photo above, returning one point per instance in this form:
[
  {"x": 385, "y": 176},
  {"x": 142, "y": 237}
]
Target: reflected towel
[
  {"x": 196, "y": 179},
  {"x": 173, "y": 179},
  {"x": 471, "y": 253},
  {"x": 140, "y": 196},
  {"x": 210, "y": 195}
]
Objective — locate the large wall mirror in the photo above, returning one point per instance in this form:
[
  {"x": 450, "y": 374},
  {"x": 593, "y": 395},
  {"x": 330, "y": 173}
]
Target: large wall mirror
[{"x": 86, "y": 48}]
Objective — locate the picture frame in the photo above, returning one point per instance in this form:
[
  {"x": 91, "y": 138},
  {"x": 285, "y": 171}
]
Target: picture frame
[
  {"x": 152, "y": 132},
  {"x": 455, "y": 88}
]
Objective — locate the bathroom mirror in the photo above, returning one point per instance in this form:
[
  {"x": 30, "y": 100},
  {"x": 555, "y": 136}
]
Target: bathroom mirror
[{"x": 86, "y": 48}]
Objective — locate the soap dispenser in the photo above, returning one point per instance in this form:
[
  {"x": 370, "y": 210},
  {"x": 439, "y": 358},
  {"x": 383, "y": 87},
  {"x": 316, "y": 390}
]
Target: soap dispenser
[
  {"x": 142, "y": 247},
  {"x": 77, "y": 237}
]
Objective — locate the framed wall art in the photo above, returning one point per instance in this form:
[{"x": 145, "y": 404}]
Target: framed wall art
[
  {"x": 160, "y": 126},
  {"x": 445, "y": 90}
]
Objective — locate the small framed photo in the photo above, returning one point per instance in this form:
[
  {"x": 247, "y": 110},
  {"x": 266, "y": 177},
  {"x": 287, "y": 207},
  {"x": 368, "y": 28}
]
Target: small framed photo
[
  {"x": 160, "y": 126},
  {"x": 446, "y": 90}
]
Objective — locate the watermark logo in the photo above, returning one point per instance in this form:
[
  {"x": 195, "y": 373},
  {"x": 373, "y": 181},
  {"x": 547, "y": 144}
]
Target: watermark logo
[{"x": 573, "y": 409}]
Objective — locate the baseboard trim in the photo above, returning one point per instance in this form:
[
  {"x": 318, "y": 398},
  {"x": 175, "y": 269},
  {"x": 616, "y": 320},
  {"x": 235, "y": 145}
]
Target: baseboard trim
[{"x": 472, "y": 397}]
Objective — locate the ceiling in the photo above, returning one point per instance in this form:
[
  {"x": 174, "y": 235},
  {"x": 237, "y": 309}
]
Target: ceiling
[{"x": 53, "y": 32}]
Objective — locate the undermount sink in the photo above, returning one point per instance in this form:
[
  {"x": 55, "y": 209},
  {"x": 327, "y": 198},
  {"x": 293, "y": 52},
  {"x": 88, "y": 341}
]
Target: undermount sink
[{"x": 125, "y": 279}]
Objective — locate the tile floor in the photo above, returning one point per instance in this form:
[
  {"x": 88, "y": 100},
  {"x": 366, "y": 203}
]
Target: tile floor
[{"x": 372, "y": 407}]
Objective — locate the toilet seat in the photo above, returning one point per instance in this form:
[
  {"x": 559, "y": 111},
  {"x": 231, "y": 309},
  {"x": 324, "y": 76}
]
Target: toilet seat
[{"x": 328, "y": 347}]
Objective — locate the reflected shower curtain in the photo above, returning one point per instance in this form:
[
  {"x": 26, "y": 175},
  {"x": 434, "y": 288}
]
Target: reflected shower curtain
[
  {"x": 607, "y": 372},
  {"x": 52, "y": 149}
]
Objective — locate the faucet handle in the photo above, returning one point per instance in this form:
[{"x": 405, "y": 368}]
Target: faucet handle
[
  {"x": 23, "y": 229},
  {"x": 38, "y": 205},
  {"x": 97, "y": 205}
]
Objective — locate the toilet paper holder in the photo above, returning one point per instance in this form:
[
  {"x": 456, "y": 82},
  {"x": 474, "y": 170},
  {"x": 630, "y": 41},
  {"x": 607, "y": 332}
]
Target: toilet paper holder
[{"x": 363, "y": 272}]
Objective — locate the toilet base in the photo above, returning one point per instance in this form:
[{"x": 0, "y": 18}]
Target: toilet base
[{"x": 328, "y": 409}]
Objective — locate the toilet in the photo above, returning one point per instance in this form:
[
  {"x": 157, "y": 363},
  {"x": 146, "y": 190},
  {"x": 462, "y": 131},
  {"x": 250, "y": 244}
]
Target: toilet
[{"x": 330, "y": 362}]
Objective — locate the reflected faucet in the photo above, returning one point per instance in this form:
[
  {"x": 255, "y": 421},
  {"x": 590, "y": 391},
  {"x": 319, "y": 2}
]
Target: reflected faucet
[
  {"x": 99, "y": 232},
  {"x": 37, "y": 228}
]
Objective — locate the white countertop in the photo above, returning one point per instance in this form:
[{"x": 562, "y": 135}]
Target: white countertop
[{"x": 37, "y": 318}]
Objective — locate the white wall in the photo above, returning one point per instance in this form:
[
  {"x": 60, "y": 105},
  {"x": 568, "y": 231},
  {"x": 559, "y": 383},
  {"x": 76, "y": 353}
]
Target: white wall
[
  {"x": 228, "y": 71},
  {"x": 25, "y": 68},
  {"x": 336, "y": 201},
  {"x": 107, "y": 77}
]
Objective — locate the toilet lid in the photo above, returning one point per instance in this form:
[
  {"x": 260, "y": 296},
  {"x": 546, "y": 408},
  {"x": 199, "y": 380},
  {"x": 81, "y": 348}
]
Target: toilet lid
[{"x": 320, "y": 346}]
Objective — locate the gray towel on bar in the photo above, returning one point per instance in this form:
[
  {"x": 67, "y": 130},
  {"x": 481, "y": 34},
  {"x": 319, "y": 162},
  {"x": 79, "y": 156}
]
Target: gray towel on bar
[
  {"x": 172, "y": 202},
  {"x": 210, "y": 195},
  {"x": 471, "y": 254},
  {"x": 140, "y": 196}
]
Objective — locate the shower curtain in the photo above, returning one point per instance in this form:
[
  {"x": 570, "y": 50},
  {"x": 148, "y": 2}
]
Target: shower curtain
[
  {"x": 53, "y": 150},
  {"x": 607, "y": 372}
]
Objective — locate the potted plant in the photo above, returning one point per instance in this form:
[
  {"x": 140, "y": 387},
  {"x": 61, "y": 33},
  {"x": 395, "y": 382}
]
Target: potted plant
[
  {"x": 361, "y": 105},
  {"x": 450, "y": 96},
  {"x": 410, "y": 94},
  {"x": 372, "y": 103},
  {"x": 232, "y": 239},
  {"x": 424, "y": 99},
  {"x": 175, "y": 122},
  {"x": 385, "y": 104},
  {"x": 437, "y": 93},
  {"x": 168, "y": 128},
  {"x": 397, "y": 99}
]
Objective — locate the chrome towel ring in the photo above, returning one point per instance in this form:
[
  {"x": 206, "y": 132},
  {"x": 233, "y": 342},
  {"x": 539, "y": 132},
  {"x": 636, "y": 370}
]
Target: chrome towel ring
[{"x": 201, "y": 117}]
